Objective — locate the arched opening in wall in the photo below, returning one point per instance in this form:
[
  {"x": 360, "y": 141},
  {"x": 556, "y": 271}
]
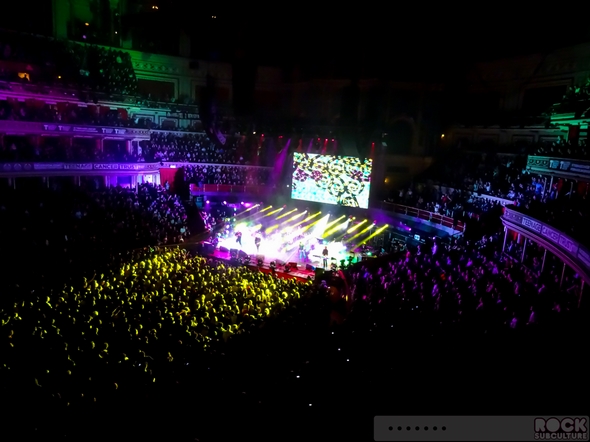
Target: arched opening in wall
[{"x": 399, "y": 138}]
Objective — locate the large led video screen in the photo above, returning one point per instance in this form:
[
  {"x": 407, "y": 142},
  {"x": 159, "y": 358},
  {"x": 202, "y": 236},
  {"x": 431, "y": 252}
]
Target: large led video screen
[{"x": 343, "y": 181}]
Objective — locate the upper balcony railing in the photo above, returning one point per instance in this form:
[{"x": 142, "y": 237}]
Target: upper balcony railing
[
  {"x": 80, "y": 168},
  {"x": 435, "y": 218},
  {"x": 34, "y": 128},
  {"x": 576, "y": 255}
]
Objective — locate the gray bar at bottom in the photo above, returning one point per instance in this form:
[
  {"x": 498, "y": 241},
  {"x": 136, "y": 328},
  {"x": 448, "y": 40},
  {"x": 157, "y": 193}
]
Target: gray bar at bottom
[{"x": 481, "y": 428}]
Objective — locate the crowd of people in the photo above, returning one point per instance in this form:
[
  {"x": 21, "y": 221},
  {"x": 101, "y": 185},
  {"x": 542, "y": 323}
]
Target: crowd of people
[
  {"x": 75, "y": 150},
  {"x": 67, "y": 228},
  {"x": 472, "y": 185},
  {"x": 162, "y": 147},
  {"x": 472, "y": 284},
  {"x": 72, "y": 65},
  {"x": 67, "y": 113},
  {"x": 238, "y": 176},
  {"x": 191, "y": 148},
  {"x": 101, "y": 315},
  {"x": 563, "y": 149}
]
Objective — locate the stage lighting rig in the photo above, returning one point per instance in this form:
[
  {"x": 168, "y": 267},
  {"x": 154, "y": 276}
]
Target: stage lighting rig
[
  {"x": 273, "y": 265},
  {"x": 260, "y": 262}
]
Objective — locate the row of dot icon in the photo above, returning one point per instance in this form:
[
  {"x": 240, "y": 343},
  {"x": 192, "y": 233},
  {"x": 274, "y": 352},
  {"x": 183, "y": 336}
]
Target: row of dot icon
[{"x": 418, "y": 428}]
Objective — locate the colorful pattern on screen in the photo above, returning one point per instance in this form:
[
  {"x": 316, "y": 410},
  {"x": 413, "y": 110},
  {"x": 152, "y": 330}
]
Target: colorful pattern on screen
[{"x": 343, "y": 181}]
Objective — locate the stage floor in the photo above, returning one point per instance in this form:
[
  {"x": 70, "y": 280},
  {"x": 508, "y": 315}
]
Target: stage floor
[{"x": 300, "y": 273}]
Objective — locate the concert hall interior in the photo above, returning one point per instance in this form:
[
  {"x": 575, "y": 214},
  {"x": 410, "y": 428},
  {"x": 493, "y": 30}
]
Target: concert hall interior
[{"x": 321, "y": 237}]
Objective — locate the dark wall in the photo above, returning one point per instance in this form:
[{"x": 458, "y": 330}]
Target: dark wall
[
  {"x": 243, "y": 81},
  {"x": 33, "y": 17}
]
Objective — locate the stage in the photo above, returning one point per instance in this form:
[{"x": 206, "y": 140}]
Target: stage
[
  {"x": 295, "y": 246},
  {"x": 300, "y": 273}
]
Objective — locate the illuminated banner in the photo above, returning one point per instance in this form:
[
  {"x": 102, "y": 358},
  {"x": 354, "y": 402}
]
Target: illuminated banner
[
  {"x": 84, "y": 129},
  {"x": 106, "y": 166},
  {"x": 78, "y": 166},
  {"x": 552, "y": 235},
  {"x": 16, "y": 167},
  {"x": 108, "y": 130},
  {"x": 88, "y": 130},
  {"x": 58, "y": 128},
  {"x": 578, "y": 167},
  {"x": 48, "y": 166}
]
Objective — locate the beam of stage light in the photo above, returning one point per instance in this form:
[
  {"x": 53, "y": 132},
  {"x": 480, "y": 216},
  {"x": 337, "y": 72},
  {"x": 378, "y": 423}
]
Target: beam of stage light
[
  {"x": 337, "y": 228},
  {"x": 330, "y": 224},
  {"x": 356, "y": 226},
  {"x": 319, "y": 226},
  {"x": 294, "y": 217},
  {"x": 271, "y": 229},
  {"x": 274, "y": 211},
  {"x": 309, "y": 218},
  {"x": 250, "y": 218},
  {"x": 342, "y": 226},
  {"x": 253, "y": 214},
  {"x": 362, "y": 232},
  {"x": 253, "y": 207},
  {"x": 374, "y": 234},
  {"x": 286, "y": 214}
]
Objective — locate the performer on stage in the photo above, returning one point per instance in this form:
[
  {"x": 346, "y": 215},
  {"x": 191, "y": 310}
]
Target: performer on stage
[
  {"x": 325, "y": 254},
  {"x": 257, "y": 241},
  {"x": 239, "y": 238},
  {"x": 302, "y": 255}
]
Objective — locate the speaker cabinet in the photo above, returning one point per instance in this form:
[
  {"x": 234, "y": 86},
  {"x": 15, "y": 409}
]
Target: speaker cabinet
[
  {"x": 319, "y": 272},
  {"x": 223, "y": 249},
  {"x": 260, "y": 258},
  {"x": 293, "y": 265},
  {"x": 208, "y": 248},
  {"x": 233, "y": 253},
  {"x": 310, "y": 267}
]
